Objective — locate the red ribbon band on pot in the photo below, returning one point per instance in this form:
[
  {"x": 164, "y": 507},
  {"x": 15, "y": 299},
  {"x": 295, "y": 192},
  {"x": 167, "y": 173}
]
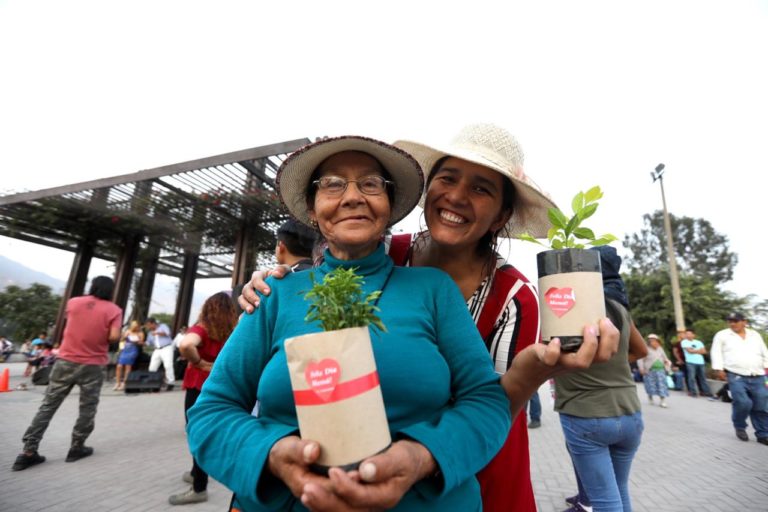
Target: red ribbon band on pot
[{"x": 342, "y": 391}]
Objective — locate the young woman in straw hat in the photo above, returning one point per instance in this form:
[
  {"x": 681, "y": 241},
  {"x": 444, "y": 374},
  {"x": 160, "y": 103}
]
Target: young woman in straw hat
[{"x": 476, "y": 193}]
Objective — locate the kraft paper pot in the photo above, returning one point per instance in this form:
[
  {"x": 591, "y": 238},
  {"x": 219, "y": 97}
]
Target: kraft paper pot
[
  {"x": 338, "y": 397},
  {"x": 570, "y": 295}
]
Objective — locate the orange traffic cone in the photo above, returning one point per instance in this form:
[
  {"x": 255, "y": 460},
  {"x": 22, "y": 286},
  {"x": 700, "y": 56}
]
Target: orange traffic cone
[{"x": 4, "y": 381}]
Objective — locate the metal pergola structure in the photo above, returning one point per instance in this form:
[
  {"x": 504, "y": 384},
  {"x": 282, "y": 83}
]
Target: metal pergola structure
[{"x": 204, "y": 218}]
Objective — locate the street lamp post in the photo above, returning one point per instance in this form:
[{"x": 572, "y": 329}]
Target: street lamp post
[{"x": 657, "y": 174}]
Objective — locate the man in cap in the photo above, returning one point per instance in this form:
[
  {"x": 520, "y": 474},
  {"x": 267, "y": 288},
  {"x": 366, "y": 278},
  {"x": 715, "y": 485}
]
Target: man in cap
[{"x": 739, "y": 355}]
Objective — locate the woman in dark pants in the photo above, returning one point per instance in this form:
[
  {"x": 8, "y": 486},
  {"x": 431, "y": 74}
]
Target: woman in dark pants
[{"x": 200, "y": 346}]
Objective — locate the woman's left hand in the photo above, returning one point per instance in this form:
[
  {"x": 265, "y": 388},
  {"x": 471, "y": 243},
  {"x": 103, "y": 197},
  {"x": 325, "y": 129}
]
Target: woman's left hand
[{"x": 379, "y": 484}]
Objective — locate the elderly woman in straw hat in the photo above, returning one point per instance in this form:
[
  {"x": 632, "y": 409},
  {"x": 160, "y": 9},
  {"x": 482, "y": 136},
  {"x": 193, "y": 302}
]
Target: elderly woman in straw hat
[
  {"x": 446, "y": 411},
  {"x": 476, "y": 193}
]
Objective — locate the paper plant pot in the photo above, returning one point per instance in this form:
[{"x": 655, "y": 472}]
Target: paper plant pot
[
  {"x": 337, "y": 395},
  {"x": 570, "y": 294}
]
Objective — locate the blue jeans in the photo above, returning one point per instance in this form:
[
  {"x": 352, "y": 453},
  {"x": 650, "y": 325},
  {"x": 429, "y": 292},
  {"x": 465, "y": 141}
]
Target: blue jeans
[
  {"x": 534, "y": 407},
  {"x": 602, "y": 450},
  {"x": 696, "y": 372},
  {"x": 750, "y": 398},
  {"x": 678, "y": 377}
]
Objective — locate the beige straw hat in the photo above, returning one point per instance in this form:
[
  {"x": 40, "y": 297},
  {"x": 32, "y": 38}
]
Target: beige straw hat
[
  {"x": 495, "y": 148},
  {"x": 294, "y": 174}
]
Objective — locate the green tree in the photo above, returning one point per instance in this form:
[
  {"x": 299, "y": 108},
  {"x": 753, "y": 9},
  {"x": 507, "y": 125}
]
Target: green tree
[
  {"x": 26, "y": 312},
  {"x": 699, "y": 249},
  {"x": 650, "y": 297},
  {"x": 705, "y": 262}
]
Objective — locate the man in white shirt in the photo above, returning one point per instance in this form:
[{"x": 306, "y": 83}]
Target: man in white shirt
[
  {"x": 740, "y": 355},
  {"x": 159, "y": 337}
]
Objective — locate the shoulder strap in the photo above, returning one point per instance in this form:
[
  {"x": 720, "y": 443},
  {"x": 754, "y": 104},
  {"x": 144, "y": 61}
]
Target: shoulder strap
[
  {"x": 398, "y": 248},
  {"x": 502, "y": 283}
]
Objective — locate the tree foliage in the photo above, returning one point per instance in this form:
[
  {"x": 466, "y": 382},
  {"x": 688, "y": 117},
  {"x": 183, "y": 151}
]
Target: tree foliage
[
  {"x": 26, "y": 312},
  {"x": 700, "y": 250},
  {"x": 650, "y": 297},
  {"x": 705, "y": 262}
]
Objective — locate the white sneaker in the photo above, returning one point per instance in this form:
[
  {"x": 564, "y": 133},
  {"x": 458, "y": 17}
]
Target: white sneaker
[
  {"x": 188, "y": 497},
  {"x": 663, "y": 404}
]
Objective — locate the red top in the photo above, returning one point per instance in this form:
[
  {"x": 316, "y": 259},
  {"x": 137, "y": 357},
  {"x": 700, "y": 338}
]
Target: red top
[
  {"x": 208, "y": 349},
  {"x": 506, "y": 312},
  {"x": 86, "y": 335}
]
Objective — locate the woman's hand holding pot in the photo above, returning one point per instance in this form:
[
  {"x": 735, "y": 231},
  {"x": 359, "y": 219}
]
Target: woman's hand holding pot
[
  {"x": 379, "y": 484},
  {"x": 538, "y": 363},
  {"x": 289, "y": 461}
]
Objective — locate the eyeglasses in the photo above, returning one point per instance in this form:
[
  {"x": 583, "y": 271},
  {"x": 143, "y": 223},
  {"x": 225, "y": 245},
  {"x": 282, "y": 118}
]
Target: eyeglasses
[{"x": 372, "y": 185}]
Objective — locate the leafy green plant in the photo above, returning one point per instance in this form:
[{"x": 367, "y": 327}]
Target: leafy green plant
[
  {"x": 338, "y": 303},
  {"x": 568, "y": 233}
]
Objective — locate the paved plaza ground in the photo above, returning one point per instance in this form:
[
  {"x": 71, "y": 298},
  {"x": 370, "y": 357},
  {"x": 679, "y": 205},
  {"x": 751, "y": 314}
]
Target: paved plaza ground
[{"x": 689, "y": 460}]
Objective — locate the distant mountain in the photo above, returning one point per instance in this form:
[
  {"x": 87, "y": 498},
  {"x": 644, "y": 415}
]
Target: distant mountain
[{"x": 14, "y": 273}]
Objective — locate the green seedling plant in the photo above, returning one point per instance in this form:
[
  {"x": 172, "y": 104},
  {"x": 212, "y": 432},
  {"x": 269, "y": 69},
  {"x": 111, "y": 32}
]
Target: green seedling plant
[
  {"x": 568, "y": 233},
  {"x": 337, "y": 302}
]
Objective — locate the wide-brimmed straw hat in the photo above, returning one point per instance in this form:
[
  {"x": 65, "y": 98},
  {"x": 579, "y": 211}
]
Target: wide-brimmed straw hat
[
  {"x": 293, "y": 176},
  {"x": 493, "y": 147}
]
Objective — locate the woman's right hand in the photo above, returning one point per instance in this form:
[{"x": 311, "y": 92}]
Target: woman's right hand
[
  {"x": 289, "y": 461},
  {"x": 537, "y": 363},
  {"x": 249, "y": 299}
]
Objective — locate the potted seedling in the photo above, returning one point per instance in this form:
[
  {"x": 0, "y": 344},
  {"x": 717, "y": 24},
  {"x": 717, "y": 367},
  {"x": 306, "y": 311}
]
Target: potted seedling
[
  {"x": 570, "y": 278},
  {"x": 333, "y": 373}
]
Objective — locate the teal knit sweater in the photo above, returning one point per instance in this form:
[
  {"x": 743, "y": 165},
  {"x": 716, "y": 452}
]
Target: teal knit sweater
[{"x": 438, "y": 384}]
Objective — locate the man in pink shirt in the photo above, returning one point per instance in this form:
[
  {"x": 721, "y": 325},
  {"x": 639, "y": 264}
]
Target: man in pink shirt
[{"x": 93, "y": 321}]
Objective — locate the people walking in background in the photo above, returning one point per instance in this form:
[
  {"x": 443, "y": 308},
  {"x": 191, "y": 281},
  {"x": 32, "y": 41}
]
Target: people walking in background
[
  {"x": 694, "y": 352},
  {"x": 200, "y": 346},
  {"x": 600, "y": 411},
  {"x": 739, "y": 355},
  {"x": 654, "y": 368},
  {"x": 92, "y": 322},
  {"x": 133, "y": 341},
  {"x": 159, "y": 337},
  {"x": 534, "y": 411}
]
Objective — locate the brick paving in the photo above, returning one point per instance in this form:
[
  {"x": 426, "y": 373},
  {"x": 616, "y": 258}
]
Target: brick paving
[{"x": 689, "y": 458}]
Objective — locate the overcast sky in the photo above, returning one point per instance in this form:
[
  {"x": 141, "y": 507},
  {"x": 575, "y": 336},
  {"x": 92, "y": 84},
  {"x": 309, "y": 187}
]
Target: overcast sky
[{"x": 597, "y": 93}]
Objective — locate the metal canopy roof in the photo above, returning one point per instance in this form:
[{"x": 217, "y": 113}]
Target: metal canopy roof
[{"x": 200, "y": 206}]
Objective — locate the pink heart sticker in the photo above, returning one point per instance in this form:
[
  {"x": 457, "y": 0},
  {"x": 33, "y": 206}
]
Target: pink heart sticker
[
  {"x": 560, "y": 300},
  {"x": 322, "y": 377}
]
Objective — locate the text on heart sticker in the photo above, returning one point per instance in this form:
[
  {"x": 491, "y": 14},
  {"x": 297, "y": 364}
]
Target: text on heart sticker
[
  {"x": 322, "y": 377},
  {"x": 560, "y": 300}
]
